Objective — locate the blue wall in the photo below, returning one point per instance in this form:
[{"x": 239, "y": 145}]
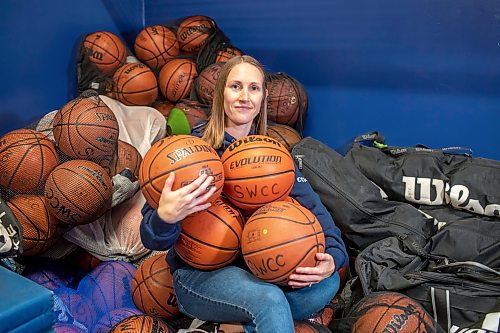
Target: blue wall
[{"x": 422, "y": 71}]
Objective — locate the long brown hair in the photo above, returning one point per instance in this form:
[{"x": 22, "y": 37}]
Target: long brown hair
[{"x": 214, "y": 130}]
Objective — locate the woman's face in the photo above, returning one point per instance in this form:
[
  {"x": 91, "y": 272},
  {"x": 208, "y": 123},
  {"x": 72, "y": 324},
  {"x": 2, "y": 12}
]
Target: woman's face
[{"x": 243, "y": 94}]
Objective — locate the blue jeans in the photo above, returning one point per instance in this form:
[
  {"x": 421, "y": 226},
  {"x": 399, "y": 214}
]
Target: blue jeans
[{"x": 232, "y": 294}]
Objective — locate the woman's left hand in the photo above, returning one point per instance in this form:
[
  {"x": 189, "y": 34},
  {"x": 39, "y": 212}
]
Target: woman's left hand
[{"x": 306, "y": 276}]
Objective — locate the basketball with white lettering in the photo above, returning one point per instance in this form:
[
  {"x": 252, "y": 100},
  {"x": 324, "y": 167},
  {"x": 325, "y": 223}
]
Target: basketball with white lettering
[
  {"x": 193, "y": 32},
  {"x": 211, "y": 238},
  {"x": 135, "y": 84},
  {"x": 106, "y": 50},
  {"x": 155, "y": 45},
  {"x": 278, "y": 238},
  {"x": 153, "y": 288},
  {"x": 258, "y": 170},
  {"x": 186, "y": 155},
  {"x": 390, "y": 312},
  {"x": 142, "y": 324},
  {"x": 78, "y": 192},
  {"x": 176, "y": 78}
]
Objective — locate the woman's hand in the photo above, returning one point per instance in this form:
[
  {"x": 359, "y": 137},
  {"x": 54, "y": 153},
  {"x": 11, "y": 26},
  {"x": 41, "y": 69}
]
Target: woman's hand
[
  {"x": 176, "y": 205},
  {"x": 306, "y": 276}
]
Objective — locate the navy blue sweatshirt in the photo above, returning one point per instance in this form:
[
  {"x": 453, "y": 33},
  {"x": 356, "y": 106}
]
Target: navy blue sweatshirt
[{"x": 158, "y": 235}]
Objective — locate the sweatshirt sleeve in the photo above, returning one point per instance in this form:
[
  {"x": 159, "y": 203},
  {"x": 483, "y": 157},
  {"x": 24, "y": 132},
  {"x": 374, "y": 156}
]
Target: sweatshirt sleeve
[
  {"x": 305, "y": 195},
  {"x": 155, "y": 233}
]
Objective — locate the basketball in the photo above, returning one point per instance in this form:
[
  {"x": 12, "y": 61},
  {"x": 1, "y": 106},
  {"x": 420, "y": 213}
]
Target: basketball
[
  {"x": 127, "y": 157},
  {"x": 85, "y": 261},
  {"x": 204, "y": 84},
  {"x": 39, "y": 226},
  {"x": 286, "y": 135},
  {"x": 211, "y": 238},
  {"x": 226, "y": 54},
  {"x": 78, "y": 192},
  {"x": 258, "y": 170},
  {"x": 278, "y": 238},
  {"x": 155, "y": 45},
  {"x": 142, "y": 324},
  {"x": 164, "y": 107},
  {"x": 194, "y": 112},
  {"x": 113, "y": 317},
  {"x": 176, "y": 78},
  {"x": 86, "y": 128},
  {"x": 390, "y": 312},
  {"x": 282, "y": 100},
  {"x": 153, "y": 288},
  {"x": 135, "y": 84},
  {"x": 106, "y": 50},
  {"x": 193, "y": 32},
  {"x": 186, "y": 155},
  {"x": 26, "y": 159}
]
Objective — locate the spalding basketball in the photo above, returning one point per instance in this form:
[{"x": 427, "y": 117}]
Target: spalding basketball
[
  {"x": 127, "y": 157},
  {"x": 205, "y": 83},
  {"x": 278, "y": 238},
  {"x": 106, "y": 50},
  {"x": 86, "y": 128},
  {"x": 258, "y": 170},
  {"x": 153, "y": 288},
  {"x": 39, "y": 226},
  {"x": 187, "y": 156},
  {"x": 78, "y": 192},
  {"x": 390, "y": 312},
  {"x": 135, "y": 84},
  {"x": 176, "y": 78},
  {"x": 211, "y": 238},
  {"x": 142, "y": 324},
  {"x": 286, "y": 135},
  {"x": 26, "y": 159},
  {"x": 193, "y": 32},
  {"x": 283, "y": 99},
  {"x": 156, "y": 45}
]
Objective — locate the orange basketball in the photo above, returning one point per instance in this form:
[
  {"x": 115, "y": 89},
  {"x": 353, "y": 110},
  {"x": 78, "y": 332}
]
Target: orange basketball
[
  {"x": 283, "y": 99},
  {"x": 128, "y": 157},
  {"x": 211, "y": 238},
  {"x": 193, "y": 32},
  {"x": 204, "y": 84},
  {"x": 153, "y": 288},
  {"x": 226, "y": 54},
  {"x": 186, "y": 155},
  {"x": 136, "y": 84},
  {"x": 142, "y": 324},
  {"x": 194, "y": 112},
  {"x": 86, "y": 128},
  {"x": 278, "y": 238},
  {"x": 258, "y": 170},
  {"x": 155, "y": 45},
  {"x": 390, "y": 312},
  {"x": 78, "y": 192},
  {"x": 176, "y": 78},
  {"x": 39, "y": 226},
  {"x": 286, "y": 135},
  {"x": 106, "y": 50},
  {"x": 26, "y": 159}
]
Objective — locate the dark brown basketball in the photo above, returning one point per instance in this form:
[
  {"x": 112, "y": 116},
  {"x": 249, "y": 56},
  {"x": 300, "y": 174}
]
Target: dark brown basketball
[
  {"x": 186, "y": 155},
  {"x": 155, "y": 45},
  {"x": 26, "y": 159},
  {"x": 278, "y": 238},
  {"x": 86, "y": 128},
  {"x": 106, "y": 50},
  {"x": 205, "y": 83},
  {"x": 286, "y": 135},
  {"x": 193, "y": 32},
  {"x": 194, "y": 112},
  {"x": 164, "y": 107},
  {"x": 283, "y": 105},
  {"x": 176, "y": 78},
  {"x": 127, "y": 157},
  {"x": 153, "y": 288},
  {"x": 391, "y": 312},
  {"x": 78, "y": 192},
  {"x": 142, "y": 324},
  {"x": 39, "y": 226},
  {"x": 135, "y": 84},
  {"x": 211, "y": 238}
]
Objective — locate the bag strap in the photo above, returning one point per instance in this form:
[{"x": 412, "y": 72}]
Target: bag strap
[
  {"x": 398, "y": 151},
  {"x": 440, "y": 299}
]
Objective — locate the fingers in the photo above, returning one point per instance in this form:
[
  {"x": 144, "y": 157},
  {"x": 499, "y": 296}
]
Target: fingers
[{"x": 169, "y": 182}]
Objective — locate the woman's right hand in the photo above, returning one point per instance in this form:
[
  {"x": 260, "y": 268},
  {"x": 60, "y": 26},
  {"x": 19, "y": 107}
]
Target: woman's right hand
[{"x": 175, "y": 205}]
